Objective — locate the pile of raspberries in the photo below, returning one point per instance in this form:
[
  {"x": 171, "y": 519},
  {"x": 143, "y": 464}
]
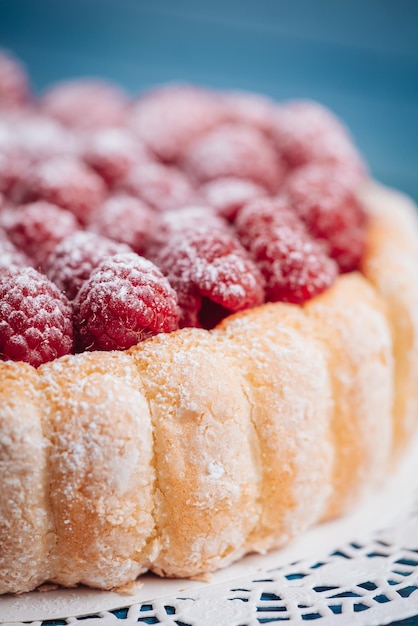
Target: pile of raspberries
[{"x": 123, "y": 217}]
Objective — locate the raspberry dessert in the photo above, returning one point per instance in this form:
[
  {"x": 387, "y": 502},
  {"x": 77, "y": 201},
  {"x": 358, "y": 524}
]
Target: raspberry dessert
[{"x": 205, "y": 290}]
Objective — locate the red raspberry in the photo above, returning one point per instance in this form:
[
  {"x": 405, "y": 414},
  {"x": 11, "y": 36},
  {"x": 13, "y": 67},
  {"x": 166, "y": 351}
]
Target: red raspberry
[
  {"x": 307, "y": 132},
  {"x": 206, "y": 262},
  {"x": 262, "y": 215},
  {"x": 331, "y": 212},
  {"x": 86, "y": 103},
  {"x": 35, "y": 318},
  {"x": 37, "y": 228},
  {"x": 294, "y": 266},
  {"x": 160, "y": 186},
  {"x": 235, "y": 150},
  {"x": 112, "y": 152},
  {"x": 173, "y": 223},
  {"x": 40, "y": 138},
  {"x": 190, "y": 216},
  {"x": 125, "y": 219},
  {"x": 125, "y": 300},
  {"x": 169, "y": 118},
  {"x": 228, "y": 195},
  {"x": 10, "y": 255},
  {"x": 249, "y": 108},
  {"x": 75, "y": 257},
  {"x": 14, "y": 169},
  {"x": 67, "y": 183},
  {"x": 14, "y": 83}
]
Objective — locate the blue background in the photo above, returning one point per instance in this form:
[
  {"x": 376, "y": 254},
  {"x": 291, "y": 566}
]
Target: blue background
[{"x": 359, "y": 57}]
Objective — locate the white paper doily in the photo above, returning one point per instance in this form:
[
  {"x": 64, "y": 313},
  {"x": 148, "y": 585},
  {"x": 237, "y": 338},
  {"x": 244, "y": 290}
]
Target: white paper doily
[{"x": 361, "y": 570}]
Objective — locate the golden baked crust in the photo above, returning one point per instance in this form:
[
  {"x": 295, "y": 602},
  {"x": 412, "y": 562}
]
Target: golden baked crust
[{"x": 193, "y": 448}]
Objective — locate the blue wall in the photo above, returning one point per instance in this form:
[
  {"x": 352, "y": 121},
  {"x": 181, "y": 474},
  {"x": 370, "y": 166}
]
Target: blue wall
[{"x": 359, "y": 57}]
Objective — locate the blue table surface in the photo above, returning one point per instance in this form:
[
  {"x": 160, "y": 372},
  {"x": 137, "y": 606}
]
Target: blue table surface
[{"x": 360, "y": 58}]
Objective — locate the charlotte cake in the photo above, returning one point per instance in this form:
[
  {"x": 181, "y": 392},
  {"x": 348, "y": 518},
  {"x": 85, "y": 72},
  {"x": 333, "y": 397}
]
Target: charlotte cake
[{"x": 255, "y": 375}]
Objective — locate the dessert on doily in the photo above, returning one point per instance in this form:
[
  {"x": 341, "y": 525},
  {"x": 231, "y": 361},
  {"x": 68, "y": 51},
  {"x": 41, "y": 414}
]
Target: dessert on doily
[{"x": 208, "y": 328}]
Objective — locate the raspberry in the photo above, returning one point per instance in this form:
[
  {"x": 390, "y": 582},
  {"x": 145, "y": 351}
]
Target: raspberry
[
  {"x": 125, "y": 219},
  {"x": 37, "y": 228},
  {"x": 75, "y": 257},
  {"x": 235, "y": 150},
  {"x": 294, "y": 266},
  {"x": 173, "y": 223},
  {"x": 14, "y": 83},
  {"x": 168, "y": 119},
  {"x": 14, "y": 169},
  {"x": 162, "y": 187},
  {"x": 331, "y": 212},
  {"x": 249, "y": 108},
  {"x": 125, "y": 300},
  {"x": 206, "y": 262},
  {"x": 67, "y": 183},
  {"x": 40, "y": 138},
  {"x": 228, "y": 195},
  {"x": 86, "y": 104},
  {"x": 112, "y": 152},
  {"x": 35, "y": 318},
  {"x": 262, "y": 215},
  {"x": 307, "y": 132},
  {"x": 10, "y": 255}
]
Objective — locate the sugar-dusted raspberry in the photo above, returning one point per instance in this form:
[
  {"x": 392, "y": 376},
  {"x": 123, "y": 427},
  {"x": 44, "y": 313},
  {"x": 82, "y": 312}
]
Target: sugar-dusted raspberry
[
  {"x": 169, "y": 118},
  {"x": 125, "y": 219},
  {"x": 14, "y": 170},
  {"x": 203, "y": 262},
  {"x": 112, "y": 152},
  {"x": 249, "y": 108},
  {"x": 294, "y": 266},
  {"x": 227, "y": 195},
  {"x": 35, "y": 318},
  {"x": 75, "y": 257},
  {"x": 37, "y": 228},
  {"x": 86, "y": 103},
  {"x": 162, "y": 187},
  {"x": 307, "y": 132},
  {"x": 235, "y": 150},
  {"x": 322, "y": 198},
  {"x": 68, "y": 183},
  {"x": 172, "y": 224},
  {"x": 39, "y": 138},
  {"x": 10, "y": 255},
  {"x": 264, "y": 214},
  {"x": 14, "y": 82},
  {"x": 126, "y": 300}
]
